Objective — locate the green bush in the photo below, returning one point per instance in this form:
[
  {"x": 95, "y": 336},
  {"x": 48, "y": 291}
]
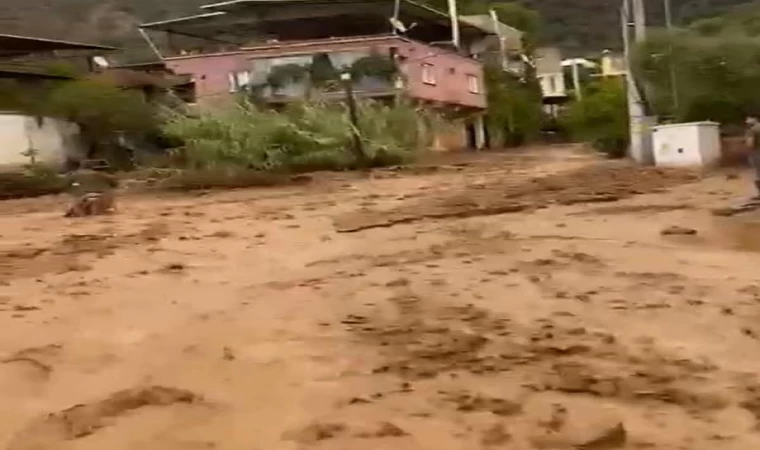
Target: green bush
[
  {"x": 713, "y": 66},
  {"x": 303, "y": 137},
  {"x": 601, "y": 118},
  {"x": 515, "y": 114},
  {"x": 103, "y": 111}
]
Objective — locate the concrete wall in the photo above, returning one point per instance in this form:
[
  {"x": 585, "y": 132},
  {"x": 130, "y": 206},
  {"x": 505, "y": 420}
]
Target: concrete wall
[
  {"x": 53, "y": 140},
  {"x": 211, "y": 72}
]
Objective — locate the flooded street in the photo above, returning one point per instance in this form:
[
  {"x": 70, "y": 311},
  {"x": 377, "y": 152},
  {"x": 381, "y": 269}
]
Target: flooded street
[{"x": 540, "y": 300}]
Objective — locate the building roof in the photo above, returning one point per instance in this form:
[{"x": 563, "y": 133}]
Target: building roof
[
  {"x": 19, "y": 74},
  {"x": 148, "y": 66},
  {"x": 230, "y": 21},
  {"x": 583, "y": 62},
  {"x": 130, "y": 79},
  {"x": 11, "y": 45}
]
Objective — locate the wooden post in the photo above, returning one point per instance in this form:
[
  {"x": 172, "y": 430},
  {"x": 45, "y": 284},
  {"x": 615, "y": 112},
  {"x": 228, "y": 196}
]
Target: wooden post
[{"x": 353, "y": 116}]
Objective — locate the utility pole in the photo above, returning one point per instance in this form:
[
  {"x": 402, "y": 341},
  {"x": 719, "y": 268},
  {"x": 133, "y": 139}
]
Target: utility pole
[
  {"x": 396, "y": 12},
  {"x": 673, "y": 78},
  {"x": 502, "y": 46},
  {"x": 353, "y": 116},
  {"x": 633, "y": 16},
  {"x": 152, "y": 45},
  {"x": 454, "y": 23},
  {"x": 577, "y": 80}
]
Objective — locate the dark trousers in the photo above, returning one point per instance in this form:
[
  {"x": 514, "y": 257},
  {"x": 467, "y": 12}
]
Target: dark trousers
[{"x": 754, "y": 160}]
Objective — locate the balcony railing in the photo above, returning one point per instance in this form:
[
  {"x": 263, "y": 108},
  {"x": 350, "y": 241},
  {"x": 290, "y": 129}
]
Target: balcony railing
[{"x": 318, "y": 75}]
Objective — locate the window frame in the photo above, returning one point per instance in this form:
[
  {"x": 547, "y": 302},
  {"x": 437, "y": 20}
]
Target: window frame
[
  {"x": 428, "y": 74},
  {"x": 473, "y": 84}
]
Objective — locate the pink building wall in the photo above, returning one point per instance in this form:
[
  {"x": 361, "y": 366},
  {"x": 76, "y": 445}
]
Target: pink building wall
[
  {"x": 450, "y": 70},
  {"x": 210, "y": 72}
]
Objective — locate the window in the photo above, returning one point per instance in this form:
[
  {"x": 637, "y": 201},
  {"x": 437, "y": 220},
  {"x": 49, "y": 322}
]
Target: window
[
  {"x": 473, "y": 84},
  {"x": 243, "y": 79},
  {"x": 428, "y": 74},
  {"x": 238, "y": 80},
  {"x": 232, "y": 82}
]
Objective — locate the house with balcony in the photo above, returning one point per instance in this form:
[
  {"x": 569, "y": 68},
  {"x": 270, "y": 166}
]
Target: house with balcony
[
  {"x": 287, "y": 50},
  {"x": 551, "y": 77}
]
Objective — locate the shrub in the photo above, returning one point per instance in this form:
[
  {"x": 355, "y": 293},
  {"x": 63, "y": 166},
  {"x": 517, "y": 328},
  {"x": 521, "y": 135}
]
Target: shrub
[
  {"x": 302, "y": 137},
  {"x": 601, "y": 118},
  {"x": 102, "y": 110}
]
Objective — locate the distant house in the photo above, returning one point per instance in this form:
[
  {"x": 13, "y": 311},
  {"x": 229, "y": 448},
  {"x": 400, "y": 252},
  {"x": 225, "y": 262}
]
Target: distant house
[
  {"x": 503, "y": 46},
  {"x": 551, "y": 76},
  {"x": 283, "y": 49}
]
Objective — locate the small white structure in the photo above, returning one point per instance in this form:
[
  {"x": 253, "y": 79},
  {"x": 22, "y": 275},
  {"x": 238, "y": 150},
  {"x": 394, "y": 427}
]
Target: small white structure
[
  {"x": 27, "y": 139},
  {"x": 550, "y": 73},
  {"x": 686, "y": 144}
]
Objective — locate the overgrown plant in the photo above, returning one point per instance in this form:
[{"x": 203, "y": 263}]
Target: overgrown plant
[
  {"x": 514, "y": 116},
  {"x": 303, "y": 137},
  {"x": 102, "y": 111},
  {"x": 601, "y": 118}
]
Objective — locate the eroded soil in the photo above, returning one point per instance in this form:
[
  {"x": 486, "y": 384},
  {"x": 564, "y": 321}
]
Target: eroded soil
[{"x": 538, "y": 300}]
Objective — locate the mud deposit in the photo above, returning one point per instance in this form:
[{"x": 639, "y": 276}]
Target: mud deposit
[{"x": 538, "y": 300}]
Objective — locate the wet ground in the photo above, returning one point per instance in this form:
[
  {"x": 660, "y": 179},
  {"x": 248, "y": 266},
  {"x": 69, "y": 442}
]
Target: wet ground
[{"x": 540, "y": 300}]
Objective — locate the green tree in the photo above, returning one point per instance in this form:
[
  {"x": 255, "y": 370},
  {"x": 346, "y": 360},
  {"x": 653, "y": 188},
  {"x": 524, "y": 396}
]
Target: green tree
[
  {"x": 601, "y": 118},
  {"x": 103, "y": 111},
  {"x": 717, "y": 73},
  {"x": 515, "y": 114},
  {"x": 524, "y": 19}
]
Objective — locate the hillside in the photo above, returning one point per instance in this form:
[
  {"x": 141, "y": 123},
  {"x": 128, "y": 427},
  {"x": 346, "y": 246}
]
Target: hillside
[{"x": 577, "y": 25}]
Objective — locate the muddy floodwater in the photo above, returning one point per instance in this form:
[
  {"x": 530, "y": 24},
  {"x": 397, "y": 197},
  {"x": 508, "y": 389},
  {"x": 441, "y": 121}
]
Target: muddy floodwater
[{"x": 535, "y": 300}]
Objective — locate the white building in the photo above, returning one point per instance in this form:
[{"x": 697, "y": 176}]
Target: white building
[{"x": 550, "y": 73}]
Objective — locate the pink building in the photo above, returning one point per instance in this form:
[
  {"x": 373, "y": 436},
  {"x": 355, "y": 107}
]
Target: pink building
[{"x": 289, "y": 49}]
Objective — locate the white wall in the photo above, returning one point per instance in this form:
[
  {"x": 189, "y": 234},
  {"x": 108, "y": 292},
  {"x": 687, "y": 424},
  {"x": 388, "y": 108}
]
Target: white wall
[
  {"x": 553, "y": 84},
  {"x": 54, "y": 141},
  {"x": 687, "y": 144}
]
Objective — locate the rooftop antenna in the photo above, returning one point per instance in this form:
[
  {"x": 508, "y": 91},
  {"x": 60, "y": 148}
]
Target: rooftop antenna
[{"x": 399, "y": 27}]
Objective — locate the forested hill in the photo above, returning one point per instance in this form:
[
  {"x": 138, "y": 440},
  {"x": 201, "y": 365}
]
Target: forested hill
[{"x": 573, "y": 24}]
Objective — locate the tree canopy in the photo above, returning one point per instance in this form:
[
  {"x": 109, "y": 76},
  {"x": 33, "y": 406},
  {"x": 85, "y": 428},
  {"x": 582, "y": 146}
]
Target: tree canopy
[{"x": 715, "y": 66}]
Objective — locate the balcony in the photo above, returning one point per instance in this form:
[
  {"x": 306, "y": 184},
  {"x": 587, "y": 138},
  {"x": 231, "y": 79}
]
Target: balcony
[{"x": 280, "y": 79}]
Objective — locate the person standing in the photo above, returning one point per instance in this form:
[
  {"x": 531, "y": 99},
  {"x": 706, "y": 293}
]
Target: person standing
[{"x": 752, "y": 140}]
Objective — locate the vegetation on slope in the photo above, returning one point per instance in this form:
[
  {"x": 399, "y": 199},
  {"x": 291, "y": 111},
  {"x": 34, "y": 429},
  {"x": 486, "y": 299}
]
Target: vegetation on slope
[{"x": 578, "y": 25}]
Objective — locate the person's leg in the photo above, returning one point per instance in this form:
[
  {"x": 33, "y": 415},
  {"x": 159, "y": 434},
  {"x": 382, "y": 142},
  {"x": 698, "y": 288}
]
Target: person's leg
[{"x": 754, "y": 160}]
